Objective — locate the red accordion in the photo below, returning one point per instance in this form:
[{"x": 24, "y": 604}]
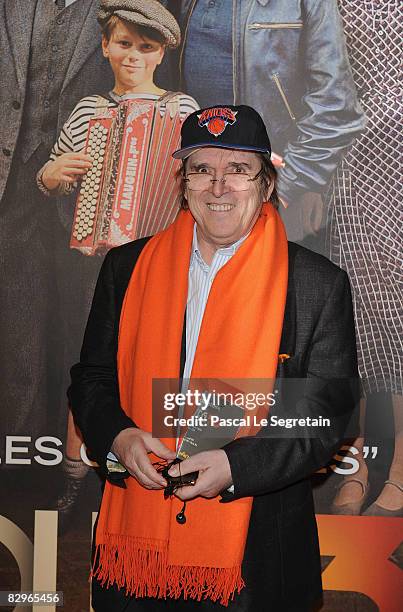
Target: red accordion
[{"x": 131, "y": 190}]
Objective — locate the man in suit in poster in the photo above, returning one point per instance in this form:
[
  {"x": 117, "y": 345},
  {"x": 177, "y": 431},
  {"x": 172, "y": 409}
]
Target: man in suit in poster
[
  {"x": 50, "y": 58},
  {"x": 218, "y": 295}
]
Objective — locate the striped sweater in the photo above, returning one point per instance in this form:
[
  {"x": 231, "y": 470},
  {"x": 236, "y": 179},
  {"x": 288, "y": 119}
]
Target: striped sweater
[{"x": 74, "y": 132}]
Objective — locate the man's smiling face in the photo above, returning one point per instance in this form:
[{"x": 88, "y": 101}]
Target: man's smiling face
[{"x": 222, "y": 215}]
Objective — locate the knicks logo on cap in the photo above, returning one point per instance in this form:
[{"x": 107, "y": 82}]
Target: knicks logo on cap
[{"x": 217, "y": 119}]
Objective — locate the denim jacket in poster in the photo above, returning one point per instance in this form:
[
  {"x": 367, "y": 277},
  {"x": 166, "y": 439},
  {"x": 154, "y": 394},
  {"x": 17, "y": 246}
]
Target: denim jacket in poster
[{"x": 290, "y": 63}]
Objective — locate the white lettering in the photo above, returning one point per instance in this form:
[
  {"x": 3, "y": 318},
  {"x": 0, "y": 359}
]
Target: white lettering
[
  {"x": 11, "y": 450},
  {"x": 130, "y": 177},
  {"x": 42, "y": 448}
]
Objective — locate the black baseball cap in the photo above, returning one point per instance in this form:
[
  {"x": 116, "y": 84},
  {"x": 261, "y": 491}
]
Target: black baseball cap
[{"x": 229, "y": 127}]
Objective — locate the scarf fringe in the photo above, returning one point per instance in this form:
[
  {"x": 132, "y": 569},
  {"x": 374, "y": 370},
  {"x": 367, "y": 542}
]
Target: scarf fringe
[{"x": 143, "y": 571}]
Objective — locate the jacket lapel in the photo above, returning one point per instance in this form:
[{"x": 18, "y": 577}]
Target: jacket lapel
[
  {"x": 287, "y": 343},
  {"x": 87, "y": 43},
  {"x": 19, "y": 23},
  {"x": 288, "y": 334}
]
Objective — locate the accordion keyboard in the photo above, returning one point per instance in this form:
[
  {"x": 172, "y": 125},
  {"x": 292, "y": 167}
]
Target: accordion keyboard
[{"x": 91, "y": 184}]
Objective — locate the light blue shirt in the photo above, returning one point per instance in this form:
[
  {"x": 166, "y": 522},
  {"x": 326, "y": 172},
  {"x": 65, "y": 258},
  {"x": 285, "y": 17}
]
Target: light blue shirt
[
  {"x": 200, "y": 280},
  {"x": 208, "y": 54}
]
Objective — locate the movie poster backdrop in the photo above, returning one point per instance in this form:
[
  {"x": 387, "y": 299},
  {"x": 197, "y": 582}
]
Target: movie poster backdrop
[{"x": 341, "y": 185}]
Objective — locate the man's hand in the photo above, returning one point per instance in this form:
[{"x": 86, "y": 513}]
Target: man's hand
[
  {"x": 311, "y": 205},
  {"x": 65, "y": 168},
  {"x": 131, "y": 446},
  {"x": 214, "y": 474},
  {"x": 277, "y": 160},
  {"x": 312, "y": 212}
]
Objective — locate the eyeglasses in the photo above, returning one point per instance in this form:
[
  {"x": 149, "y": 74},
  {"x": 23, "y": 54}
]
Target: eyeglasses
[{"x": 233, "y": 181}]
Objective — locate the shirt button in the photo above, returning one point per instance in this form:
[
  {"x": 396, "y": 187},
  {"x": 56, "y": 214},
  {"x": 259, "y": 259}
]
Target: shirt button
[
  {"x": 46, "y": 104},
  {"x": 55, "y": 48},
  {"x": 6, "y": 152},
  {"x": 60, "y": 21},
  {"x": 51, "y": 76},
  {"x": 16, "y": 105},
  {"x": 211, "y": 3}
]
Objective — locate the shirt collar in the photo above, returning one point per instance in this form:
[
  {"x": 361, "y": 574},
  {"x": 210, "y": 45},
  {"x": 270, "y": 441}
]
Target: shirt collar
[{"x": 228, "y": 251}]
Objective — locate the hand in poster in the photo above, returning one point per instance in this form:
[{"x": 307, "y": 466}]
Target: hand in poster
[
  {"x": 65, "y": 168},
  {"x": 131, "y": 446},
  {"x": 277, "y": 160},
  {"x": 311, "y": 204},
  {"x": 214, "y": 474},
  {"x": 312, "y": 212}
]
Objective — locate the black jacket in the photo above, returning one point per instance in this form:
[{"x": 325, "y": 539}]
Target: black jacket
[{"x": 281, "y": 563}]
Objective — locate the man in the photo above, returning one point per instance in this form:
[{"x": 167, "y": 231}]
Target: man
[
  {"x": 43, "y": 294},
  {"x": 43, "y": 75},
  {"x": 247, "y": 299},
  {"x": 289, "y": 61}
]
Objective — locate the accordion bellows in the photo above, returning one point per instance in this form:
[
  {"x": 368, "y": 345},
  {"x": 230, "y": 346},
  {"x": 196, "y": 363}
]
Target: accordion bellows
[{"x": 131, "y": 189}]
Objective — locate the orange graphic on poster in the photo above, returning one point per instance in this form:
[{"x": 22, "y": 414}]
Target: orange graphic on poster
[{"x": 362, "y": 547}]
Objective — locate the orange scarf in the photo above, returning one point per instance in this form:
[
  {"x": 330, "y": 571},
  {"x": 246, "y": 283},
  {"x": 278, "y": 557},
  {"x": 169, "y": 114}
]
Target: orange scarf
[{"x": 140, "y": 545}]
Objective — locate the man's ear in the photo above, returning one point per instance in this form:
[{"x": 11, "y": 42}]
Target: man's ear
[
  {"x": 269, "y": 191},
  {"x": 105, "y": 44},
  {"x": 162, "y": 54}
]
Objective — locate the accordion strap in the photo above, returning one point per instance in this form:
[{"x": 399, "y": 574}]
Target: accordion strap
[
  {"x": 171, "y": 99},
  {"x": 168, "y": 96},
  {"x": 101, "y": 106}
]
